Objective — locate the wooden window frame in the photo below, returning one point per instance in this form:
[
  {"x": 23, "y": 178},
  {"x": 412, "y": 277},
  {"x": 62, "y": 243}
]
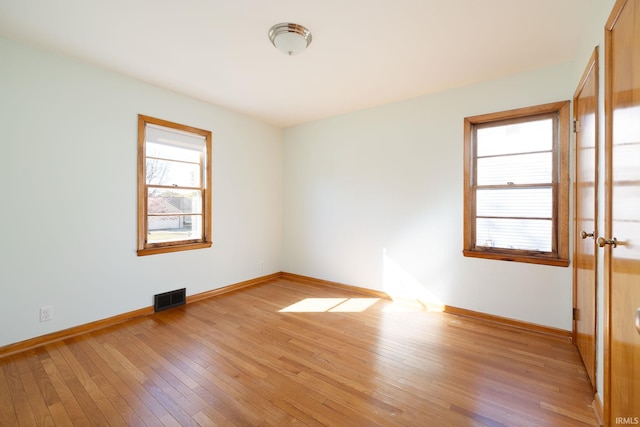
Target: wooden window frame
[
  {"x": 559, "y": 255},
  {"x": 145, "y": 248}
]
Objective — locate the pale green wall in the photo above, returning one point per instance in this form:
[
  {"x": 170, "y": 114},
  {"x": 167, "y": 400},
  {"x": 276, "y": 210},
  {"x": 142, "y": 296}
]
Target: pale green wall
[
  {"x": 379, "y": 193},
  {"x": 68, "y": 185}
]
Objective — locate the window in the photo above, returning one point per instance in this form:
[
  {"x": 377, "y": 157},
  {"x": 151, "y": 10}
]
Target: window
[
  {"x": 174, "y": 187},
  {"x": 516, "y": 174}
]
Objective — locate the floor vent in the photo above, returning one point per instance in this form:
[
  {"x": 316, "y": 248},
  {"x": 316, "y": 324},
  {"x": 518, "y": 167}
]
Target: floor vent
[{"x": 169, "y": 299}]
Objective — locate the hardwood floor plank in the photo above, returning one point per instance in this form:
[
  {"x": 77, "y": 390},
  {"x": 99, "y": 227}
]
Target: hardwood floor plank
[
  {"x": 237, "y": 389},
  {"x": 187, "y": 392},
  {"x": 128, "y": 380},
  {"x": 235, "y": 349},
  {"x": 168, "y": 421},
  {"x": 287, "y": 353},
  {"x": 195, "y": 376},
  {"x": 92, "y": 381},
  {"x": 37, "y": 403},
  {"x": 7, "y": 407},
  {"x": 203, "y": 420},
  {"x": 71, "y": 406},
  {"x": 116, "y": 392},
  {"x": 85, "y": 392},
  {"x": 157, "y": 386},
  {"x": 47, "y": 390},
  {"x": 60, "y": 415},
  {"x": 24, "y": 415}
]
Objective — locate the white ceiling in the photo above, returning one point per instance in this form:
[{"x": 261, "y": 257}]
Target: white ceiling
[{"x": 364, "y": 52}]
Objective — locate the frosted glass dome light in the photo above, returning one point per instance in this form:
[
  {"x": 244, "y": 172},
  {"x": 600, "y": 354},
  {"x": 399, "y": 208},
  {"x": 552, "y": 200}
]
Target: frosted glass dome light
[{"x": 290, "y": 39}]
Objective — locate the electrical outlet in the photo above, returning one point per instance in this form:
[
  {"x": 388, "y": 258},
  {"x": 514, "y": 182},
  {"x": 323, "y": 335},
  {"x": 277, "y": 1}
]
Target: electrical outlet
[
  {"x": 261, "y": 264},
  {"x": 46, "y": 313}
]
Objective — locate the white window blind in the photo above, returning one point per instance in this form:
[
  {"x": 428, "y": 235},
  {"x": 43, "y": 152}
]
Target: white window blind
[{"x": 514, "y": 184}]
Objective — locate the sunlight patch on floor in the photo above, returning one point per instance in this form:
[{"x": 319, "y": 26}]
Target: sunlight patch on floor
[{"x": 322, "y": 305}]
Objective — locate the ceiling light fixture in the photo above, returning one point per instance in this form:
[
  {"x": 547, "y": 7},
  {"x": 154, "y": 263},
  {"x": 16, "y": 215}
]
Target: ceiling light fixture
[{"x": 290, "y": 39}]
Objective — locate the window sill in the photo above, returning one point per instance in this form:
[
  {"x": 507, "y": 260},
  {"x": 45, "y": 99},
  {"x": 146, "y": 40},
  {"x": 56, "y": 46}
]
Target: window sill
[
  {"x": 173, "y": 248},
  {"x": 555, "y": 262}
]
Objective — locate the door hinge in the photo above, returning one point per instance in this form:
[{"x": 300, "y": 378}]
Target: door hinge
[
  {"x": 576, "y": 126},
  {"x": 576, "y": 314}
]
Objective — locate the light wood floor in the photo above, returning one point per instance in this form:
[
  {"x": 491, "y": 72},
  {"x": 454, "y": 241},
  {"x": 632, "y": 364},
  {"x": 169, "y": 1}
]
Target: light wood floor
[{"x": 237, "y": 359}]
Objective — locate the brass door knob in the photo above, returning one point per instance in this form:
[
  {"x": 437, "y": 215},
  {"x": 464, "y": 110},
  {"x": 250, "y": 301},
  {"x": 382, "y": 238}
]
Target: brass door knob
[
  {"x": 584, "y": 234},
  {"x": 602, "y": 241}
]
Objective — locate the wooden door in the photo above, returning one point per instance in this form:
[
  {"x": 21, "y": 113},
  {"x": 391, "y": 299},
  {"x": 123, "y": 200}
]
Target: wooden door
[
  {"x": 622, "y": 214},
  {"x": 585, "y": 107}
]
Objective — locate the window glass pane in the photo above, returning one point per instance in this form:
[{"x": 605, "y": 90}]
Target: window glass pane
[
  {"x": 164, "y": 151},
  {"x": 518, "y": 169},
  {"x": 516, "y": 202},
  {"x": 525, "y": 234},
  {"x": 174, "y": 201},
  {"x": 166, "y": 172},
  {"x": 167, "y": 228},
  {"x": 524, "y": 137}
]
